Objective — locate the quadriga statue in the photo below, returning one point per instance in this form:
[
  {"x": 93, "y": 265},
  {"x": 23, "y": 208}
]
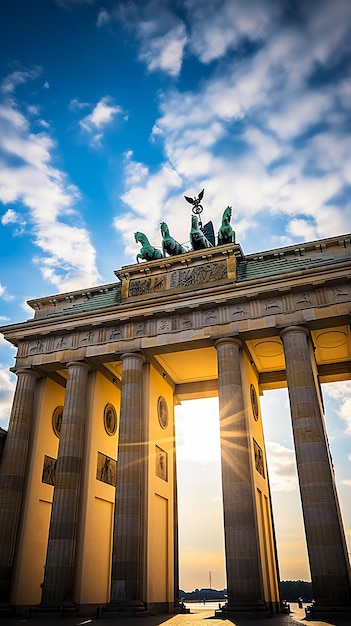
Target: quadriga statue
[
  {"x": 198, "y": 239},
  {"x": 147, "y": 251},
  {"x": 169, "y": 244},
  {"x": 226, "y": 233}
]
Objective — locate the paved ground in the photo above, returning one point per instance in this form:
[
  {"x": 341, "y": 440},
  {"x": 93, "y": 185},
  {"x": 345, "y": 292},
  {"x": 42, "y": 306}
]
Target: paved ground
[{"x": 197, "y": 617}]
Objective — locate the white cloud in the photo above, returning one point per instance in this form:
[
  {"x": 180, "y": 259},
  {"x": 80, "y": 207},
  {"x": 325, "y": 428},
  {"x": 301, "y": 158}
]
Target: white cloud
[
  {"x": 342, "y": 393},
  {"x": 292, "y": 119},
  {"x": 103, "y": 18},
  {"x": 302, "y": 229},
  {"x": 146, "y": 199},
  {"x": 282, "y": 467},
  {"x": 10, "y": 217},
  {"x": 10, "y": 83},
  {"x": 166, "y": 52},
  {"x": 219, "y": 26},
  {"x": 328, "y": 28},
  {"x": 75, "y": 104},
  {"x": 162, "y": 34},
  {"x": 47, "y": 197},
  {"x": 69, "y": 256},
  {"x": 101, "y": 116}
]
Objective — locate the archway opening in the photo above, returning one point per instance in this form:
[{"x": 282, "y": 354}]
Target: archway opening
[
  {"x": 285, "y": 494},
  {"x": 200, "y": 509}
]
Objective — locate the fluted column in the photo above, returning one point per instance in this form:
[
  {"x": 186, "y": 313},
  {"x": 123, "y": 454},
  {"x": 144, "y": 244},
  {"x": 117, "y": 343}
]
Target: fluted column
[
  {"x": 60, "y": 557},
  {"x": 330, "y": 571},
  {"x": 126, "y": 566},
  {"x": 240, "y": 532},
  {"x": 12, "y": 471}
]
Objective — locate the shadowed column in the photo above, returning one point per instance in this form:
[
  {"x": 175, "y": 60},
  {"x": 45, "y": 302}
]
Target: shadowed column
[
  {"x": 58, "y": 578},
  {"x": 326, "y": 544},
  {"x": 13, "y": 466},
  {"x": 241, "y": 540},
  {"x": 126, "y": 566}
]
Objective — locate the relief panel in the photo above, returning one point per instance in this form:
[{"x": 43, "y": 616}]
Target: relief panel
[
  {"x": 239, "y": 311},
  {"x": 304, "y": 300},
  {"x": 106, "y": 469},
  {"x": 200, "y": 274},
  {"x": 87, "y": 338},
  {"x": 143, "y": 286}
]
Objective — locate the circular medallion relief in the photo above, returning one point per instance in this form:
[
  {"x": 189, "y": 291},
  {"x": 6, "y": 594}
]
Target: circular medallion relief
[
  {"x": 331, "y": 339},
  {"x": 254, "y": 402},
  {"x": 162, "y": 412},
  {"x": 110, "y": 419},
  {"x": 57, "y": 420},
  {"x": 269, "y": 348}
]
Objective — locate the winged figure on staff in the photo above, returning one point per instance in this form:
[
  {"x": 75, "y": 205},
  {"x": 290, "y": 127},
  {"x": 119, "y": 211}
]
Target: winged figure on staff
[{"x": 196, "y": 202}]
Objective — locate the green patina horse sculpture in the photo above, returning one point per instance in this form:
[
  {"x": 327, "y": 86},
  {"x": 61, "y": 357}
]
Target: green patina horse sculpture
[
  {"x": 226, "y": 233},
  {"x": 169, "y": 245},
  {"x": 198, "y": 239},
  {"x": 147, "y": 251}
]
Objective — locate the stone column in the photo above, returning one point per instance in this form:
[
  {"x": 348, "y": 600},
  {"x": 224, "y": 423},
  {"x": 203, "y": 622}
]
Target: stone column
[
  {"x": 60, "y": 557},
  {"x": 12, "y": 472},
  {"x": 126, "y": 565},
  {"x": 326, "y": 544},
  {"x": 240, "y": 528}
]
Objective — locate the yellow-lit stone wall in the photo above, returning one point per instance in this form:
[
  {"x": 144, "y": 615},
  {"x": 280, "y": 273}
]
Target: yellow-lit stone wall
[
  {"x": 36, "y": 506},
  {"x": 96, "y": 518},
  {"x": 261, "y": 485},
  {"x": 159, "y": 505}
]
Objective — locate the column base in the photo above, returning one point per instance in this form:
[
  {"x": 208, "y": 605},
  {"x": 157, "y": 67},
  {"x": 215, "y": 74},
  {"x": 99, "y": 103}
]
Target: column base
[
  {"x": 6, "y": 610},
  {"x": 179, "y": 607},
  {"x": 252, "y": 611},
  {"x": 51, "y": 611},
  {"x": 319, "y": 610},
  {"x": 124, "y": 608}
]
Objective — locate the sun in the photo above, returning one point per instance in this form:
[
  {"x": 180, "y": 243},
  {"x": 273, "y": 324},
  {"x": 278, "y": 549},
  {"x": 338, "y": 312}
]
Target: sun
[{"x": 197, "y": 430}]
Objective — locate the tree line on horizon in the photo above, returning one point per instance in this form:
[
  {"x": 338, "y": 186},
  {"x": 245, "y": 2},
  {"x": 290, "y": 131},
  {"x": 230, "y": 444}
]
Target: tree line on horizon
[{"x": 290, "y": 590}]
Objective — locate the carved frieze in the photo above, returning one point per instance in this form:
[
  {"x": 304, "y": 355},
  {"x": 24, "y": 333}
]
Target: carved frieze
[
  {"x": 87, "y": 338},
  {"x": 164, "y": 325},
  {"x": 240, "y": 311},
  {"x": 63, "y": 343},
  {"x": 342, "y": 294},
  {"x": 143, "y": 286},
  {"x": 272, "y": 305},
  {"x": 36, "y": 347},
  {"x": 303, "y": 300},
  {"x": 211, "y": 317},
  {"x": 200, "y": 274},
  {"x": 186, "y": 322},
  {"x": 139, "y": 329}
]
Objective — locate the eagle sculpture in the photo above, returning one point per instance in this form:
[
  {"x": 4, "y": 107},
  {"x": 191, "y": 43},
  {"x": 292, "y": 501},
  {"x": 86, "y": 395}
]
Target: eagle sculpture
[{"x": 196, "y": 202}]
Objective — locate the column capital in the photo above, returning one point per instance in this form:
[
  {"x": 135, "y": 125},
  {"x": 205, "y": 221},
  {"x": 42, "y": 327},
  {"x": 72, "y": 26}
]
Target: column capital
[
  {"x": 83, "y": 364},
  {"x": 228, "y": 340},
  {"x": 25, "y": 370},
  {"x": 294, "y": 329},
  {"x": 133, "y": 355}
]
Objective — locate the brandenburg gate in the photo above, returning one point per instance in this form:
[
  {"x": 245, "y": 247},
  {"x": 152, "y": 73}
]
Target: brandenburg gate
[{"x": 88, "y": 476}]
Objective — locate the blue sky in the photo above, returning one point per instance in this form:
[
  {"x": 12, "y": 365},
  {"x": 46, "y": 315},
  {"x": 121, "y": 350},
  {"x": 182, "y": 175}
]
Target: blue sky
[{"x": 111, "y": 111}]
